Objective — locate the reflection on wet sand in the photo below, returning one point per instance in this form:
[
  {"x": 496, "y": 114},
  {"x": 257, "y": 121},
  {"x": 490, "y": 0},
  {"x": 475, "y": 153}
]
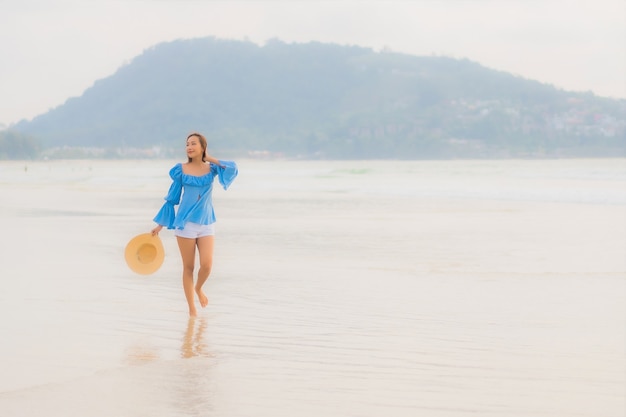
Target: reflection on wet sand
[
  {"x": 194, "y": 395},
  {"x": 193, "y": 342},
  {"x": 140, "y": 354}
]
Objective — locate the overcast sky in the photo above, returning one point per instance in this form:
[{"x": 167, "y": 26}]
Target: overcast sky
[{"x": 52, "y": 50}]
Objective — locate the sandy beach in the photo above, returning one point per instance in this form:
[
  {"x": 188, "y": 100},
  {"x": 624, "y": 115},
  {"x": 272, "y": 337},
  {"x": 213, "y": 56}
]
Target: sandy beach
[{"x": 438, "y": 288}]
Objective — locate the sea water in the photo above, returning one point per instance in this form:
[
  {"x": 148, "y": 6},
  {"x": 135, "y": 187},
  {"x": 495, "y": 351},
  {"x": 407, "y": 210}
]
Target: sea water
[{"x": 339, "y": 288}]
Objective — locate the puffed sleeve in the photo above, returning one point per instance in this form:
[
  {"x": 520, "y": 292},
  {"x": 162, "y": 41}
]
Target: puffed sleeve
[
  {"x": 165, "y": 216},
  {"x": 226, "y": 172}
]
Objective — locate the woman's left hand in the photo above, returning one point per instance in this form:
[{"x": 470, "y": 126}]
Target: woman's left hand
[{"x": 213, "y": 160}]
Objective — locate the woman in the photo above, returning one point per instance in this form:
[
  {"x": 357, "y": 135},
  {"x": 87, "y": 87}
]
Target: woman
[{"x": 194, "y": 221}]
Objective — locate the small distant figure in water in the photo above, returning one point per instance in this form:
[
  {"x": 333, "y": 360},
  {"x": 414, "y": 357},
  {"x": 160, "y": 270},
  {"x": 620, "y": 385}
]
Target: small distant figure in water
[
  {"x": 25, "y": 168},
  {"x": 194, "y": 221}
]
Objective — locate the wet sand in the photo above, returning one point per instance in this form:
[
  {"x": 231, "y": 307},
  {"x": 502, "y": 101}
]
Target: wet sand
[{"x": 334, "y": 293}]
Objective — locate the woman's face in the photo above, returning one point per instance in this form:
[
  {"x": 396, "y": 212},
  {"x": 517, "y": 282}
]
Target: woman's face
[{"x": 194, "y": 147}]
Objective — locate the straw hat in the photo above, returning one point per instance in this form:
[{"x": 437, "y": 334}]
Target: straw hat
[{"x": 144, "y": 253}]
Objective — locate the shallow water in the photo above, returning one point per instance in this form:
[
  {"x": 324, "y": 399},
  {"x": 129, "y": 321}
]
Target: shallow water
[{"x": 438, "y": 288}]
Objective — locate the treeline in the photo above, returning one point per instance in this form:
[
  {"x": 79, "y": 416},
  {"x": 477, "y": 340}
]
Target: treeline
[
  {"x": 14, "y": 145},
  {"x": 329, "y": 101}
]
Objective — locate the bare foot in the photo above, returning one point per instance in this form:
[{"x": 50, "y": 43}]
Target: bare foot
[
  {"x": 204, "y": 301},
  {"x": 193, "y": 313}
]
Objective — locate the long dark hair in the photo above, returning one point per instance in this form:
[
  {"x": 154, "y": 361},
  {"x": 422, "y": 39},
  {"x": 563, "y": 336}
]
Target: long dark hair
[{"x": 203, "y": 143}]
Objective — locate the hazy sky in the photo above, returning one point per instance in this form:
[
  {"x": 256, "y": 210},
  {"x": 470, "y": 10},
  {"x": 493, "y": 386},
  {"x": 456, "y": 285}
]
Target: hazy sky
[{"x": 52, "y": 50}]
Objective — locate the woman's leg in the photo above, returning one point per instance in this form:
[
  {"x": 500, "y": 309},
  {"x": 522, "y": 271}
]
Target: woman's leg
[
  {"x": 188, "y": 254},
  {"x": 205, "y": 249}
]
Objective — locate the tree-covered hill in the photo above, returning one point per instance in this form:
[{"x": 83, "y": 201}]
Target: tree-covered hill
[
  {"x": 326, "y": 100},
  {"x": 14, "y": 145}
]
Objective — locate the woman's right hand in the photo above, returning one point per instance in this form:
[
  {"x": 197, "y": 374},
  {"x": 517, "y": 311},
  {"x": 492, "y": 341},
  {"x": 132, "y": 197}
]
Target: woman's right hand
[{"x": 156, "y": 230}]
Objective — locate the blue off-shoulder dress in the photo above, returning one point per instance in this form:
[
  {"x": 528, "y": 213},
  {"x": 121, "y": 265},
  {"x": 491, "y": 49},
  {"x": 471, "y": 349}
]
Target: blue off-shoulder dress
[{"x": 194, "y": 194}]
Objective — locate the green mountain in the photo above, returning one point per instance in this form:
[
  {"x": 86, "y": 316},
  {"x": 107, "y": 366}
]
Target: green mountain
[{"x": 329, "y": 101}]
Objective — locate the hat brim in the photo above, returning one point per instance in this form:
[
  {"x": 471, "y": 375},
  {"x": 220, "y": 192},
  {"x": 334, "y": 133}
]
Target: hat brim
[{"x": 144, "y": 253}]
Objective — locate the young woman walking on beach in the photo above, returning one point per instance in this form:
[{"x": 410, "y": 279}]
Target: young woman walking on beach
[{"x": 194, "y": 221}]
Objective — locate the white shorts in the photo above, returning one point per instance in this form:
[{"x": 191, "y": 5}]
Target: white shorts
[{"x": 195, "y": 230}]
